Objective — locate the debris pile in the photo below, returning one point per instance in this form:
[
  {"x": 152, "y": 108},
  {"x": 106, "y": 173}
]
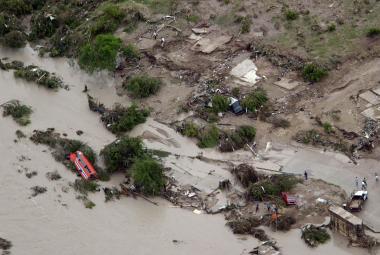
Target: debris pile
[
  {"x": 19, "y": 112},
  {"x": 246, "y": 174},
  {"x": 39, "y": 76},
  {"x": 249, "y": 226},
  {"x": 266, "y": 248},
  {"x": 184, "y": 196},
  {"x": 53, "y": 176}
]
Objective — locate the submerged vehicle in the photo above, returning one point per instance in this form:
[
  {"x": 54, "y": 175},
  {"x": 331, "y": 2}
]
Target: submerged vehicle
[{"x": 83, "y": 165}]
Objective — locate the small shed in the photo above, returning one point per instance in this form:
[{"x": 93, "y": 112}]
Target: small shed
[{"x": 346, "y": 223}]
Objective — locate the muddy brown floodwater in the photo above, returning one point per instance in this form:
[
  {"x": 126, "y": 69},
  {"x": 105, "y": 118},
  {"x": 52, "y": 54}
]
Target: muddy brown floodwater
[{"x": 56, "y": 223}]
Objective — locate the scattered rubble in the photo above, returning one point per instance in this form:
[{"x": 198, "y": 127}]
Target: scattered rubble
[
  {"x": 53, "y": 176},
  {"x": 5, "y": 245}
]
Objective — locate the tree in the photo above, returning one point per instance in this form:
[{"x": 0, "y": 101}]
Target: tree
[
  {"x": 148, "y": 176},
  {"x": 100, "y": 54},
  {"x": 121, "y": 154}
]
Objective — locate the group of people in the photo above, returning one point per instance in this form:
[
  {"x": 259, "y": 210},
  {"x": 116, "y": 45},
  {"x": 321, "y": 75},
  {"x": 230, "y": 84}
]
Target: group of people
[
  {"x": 155, "y": 35},
  {"x": 364, "y": 184}
]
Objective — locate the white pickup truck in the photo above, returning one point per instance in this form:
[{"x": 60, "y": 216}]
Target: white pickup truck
[{"x": 357, "y": 200}]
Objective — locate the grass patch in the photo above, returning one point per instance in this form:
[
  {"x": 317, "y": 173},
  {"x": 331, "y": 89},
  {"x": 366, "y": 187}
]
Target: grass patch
[
  {"x": 148, "y": 176},
  {"x": 19, "y": 112},
  {"x": 100, "y": 54},
  {"x": 121, "y": 154},
  {"x": 209, "y": 137},
  {"x": 143, "y": 86},
  {"x": 160, "y": 153},
  {"x": 328, "y": 128},
  {"x": 291, "y": 15},
  {"x": 109, "y": 21},
  {"x": 16, "y": 7}
]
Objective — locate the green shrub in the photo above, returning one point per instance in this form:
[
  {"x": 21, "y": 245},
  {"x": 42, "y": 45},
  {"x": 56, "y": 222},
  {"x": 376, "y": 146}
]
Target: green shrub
[
  {"x": 128, "y": 119},
  {"x": 121, "y": 154},
  {"x": 209, "y": 137},
  {"x": 246, "y": 25},
  {"x": 17, "y": 7},
  {"x": 248, "y": 133},
  {"x": 131, "y": 52},
  {"x": 373, "y": 32},
  {"x": 109, "y": 21},
  {"x": 14, "y": 39},
  {"x": 190, "y": 129},
  {"x": 143, "y": 86},
  {"x": 255, "y": 100},
  {"x": 19, "y": 112},
  {"x": 331, "y": 28},
  {"x": 327, "y": 127},
  {"x": 220, "y": 103},
  {"x": 238, "y": 139},
  {"x": 314, "y": 235},
  {"x": 41, "y": 77},
  {"x": 148, "y": 176},
  {"x": 291, "y": 15},
  {"x": 314, "y": 73},
  {"x": 8, "y": 23},
  {"x": 42, "y": 25},
  {"x": 101, "y": 54},
  {"x": 84, "y": 186},
  {"x": 272, "y": 187}
]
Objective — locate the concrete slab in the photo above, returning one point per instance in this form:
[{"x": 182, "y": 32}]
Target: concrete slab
[
  {"x": 246, "y": 71},
  {"x": 195, "y": 37},
  {"x": 376, "y": 91},
  {"x": 200, "y": 30},
  {"x": 209, "y": 45},
  {"x": 287, "y": 84},
  {"x": 373, "y": 113},
  {"x": 370, "y": 97}
]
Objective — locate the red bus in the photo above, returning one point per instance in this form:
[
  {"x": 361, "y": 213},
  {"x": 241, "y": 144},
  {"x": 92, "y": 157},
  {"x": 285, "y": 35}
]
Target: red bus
[{"x": 83, "y": 165}]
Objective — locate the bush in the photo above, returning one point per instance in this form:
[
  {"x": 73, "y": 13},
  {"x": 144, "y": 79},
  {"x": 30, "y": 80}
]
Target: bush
[
  {"x": 127, "y": 119},
  {"x": 148, "y": 176},
  {"x": 209, "y": 137},
  {"x": 19, "y": 112},
  {"x": 220, "y": 103},
  {"x": 14, "y": 39},
  {"x": 42, "y": 25},
  {"x": 131, "y": 52},
  {"x": 327, "y": 127},
  {"x": 291, "y": 15},
  {"x": 109, "y": 21},
  {"x": 314, "y": 235},
  {"x": 254, "y": 101},
  {"x": 314, "y": 72},
  {"x": 373, "y": 32},
  {"x": 272, "y": 187},
  {"x": 8, "y": 23},
  {"x": 41, "y": 77},
  {"x": 143, "y": 86},
  {"x": 245, "y": 25},
  {"x": 121, "y": 154},
  {"x": 331, "y": 28},
  {"x": 17, "y": 7},
  {"x": 84, "y": 186},
  {"x": 101, "y": 54},
  {"x": 190, "y": 129}
]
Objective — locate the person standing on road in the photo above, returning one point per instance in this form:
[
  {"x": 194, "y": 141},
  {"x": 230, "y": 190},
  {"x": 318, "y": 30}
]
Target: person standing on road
[
  {"x": 306, "y": 175},
  {"x": 357, "y": 182},
  {"x": 257, "y": 207}
]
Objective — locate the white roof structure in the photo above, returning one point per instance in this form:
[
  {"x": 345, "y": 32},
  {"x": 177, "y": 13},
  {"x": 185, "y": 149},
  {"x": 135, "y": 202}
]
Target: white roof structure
[{"x": 349, "y": 217}]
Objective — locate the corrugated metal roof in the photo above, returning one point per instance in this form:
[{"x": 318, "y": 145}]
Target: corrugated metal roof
[{"x": 345, "y": 215}]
